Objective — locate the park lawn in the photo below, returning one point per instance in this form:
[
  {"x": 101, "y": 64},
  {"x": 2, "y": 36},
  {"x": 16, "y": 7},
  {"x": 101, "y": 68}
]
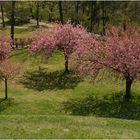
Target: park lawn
[
  {"x": 35, "y": 106},
  {"x": 21, "y": 31},
  {"x": 64, "y": 126}
]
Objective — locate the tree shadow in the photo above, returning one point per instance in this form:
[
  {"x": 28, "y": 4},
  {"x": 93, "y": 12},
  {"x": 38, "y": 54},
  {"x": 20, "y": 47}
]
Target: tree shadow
[
  {"x": 20, "y": 53},
  {"x": 108, "y": 106},
  {"x": 5, "y": 103},
  {"x": 41, "y": 80}
]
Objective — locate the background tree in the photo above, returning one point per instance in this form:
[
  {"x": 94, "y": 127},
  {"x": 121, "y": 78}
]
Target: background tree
[
  {"x": 12, "y": 22},
  {"x": 37, "y": 13},
  {"x": 95, "y": 16},
  {"x": 60, "y": 11},
  {"x": 2, "y": 14}
]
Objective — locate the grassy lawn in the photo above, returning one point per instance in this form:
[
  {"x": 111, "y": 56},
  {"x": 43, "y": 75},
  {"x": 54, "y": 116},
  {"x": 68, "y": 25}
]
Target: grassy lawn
[
  {"x": 22, "y": 31},
  {"x": 46, "y": 103},
  {"x": 35, "y": 108}
]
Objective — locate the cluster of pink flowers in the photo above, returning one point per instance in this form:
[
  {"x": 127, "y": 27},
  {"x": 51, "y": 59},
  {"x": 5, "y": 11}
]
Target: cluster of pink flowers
[
  {"x": 42, "y": 41},
  {"x": 8, "y": 69},
  {"x": 118, "y": 50},
  {"x": 65, "y": 37},
  {"x": 4, "y": 46}
]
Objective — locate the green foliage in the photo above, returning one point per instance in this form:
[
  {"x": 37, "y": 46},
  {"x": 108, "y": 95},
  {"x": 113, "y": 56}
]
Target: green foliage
[
  {"x": 22, "y": 12},
  {"x": 115, "y": 13}
]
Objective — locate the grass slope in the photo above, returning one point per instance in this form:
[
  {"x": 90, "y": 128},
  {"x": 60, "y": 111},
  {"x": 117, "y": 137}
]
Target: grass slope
[{"x": 35, "y": 105}]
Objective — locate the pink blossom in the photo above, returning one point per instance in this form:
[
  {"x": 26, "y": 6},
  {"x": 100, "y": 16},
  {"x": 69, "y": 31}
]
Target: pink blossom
[
  {"x": 65, "y": 37},
  {"x": 118, "y": 51},
  {"x": 4, "y": 46}
]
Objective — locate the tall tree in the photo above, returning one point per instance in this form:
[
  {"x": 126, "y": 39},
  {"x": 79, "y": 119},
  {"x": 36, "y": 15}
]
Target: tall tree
[
  {"x": 2, "y": 15},
  {"x": 77, "y": 11},
  {"x": 37, "y": 13},
  {"x": 124, "y": 20},
  {"x": 51, "y": 6},
  {"x": 12, "y": 22},
  {"x": 103, "y": 17},
  {"x": 60, "y": 11},
  {"x": 91, "y": 16}
]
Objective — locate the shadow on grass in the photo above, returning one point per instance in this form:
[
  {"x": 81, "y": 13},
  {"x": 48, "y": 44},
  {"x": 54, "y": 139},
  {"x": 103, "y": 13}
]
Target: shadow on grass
[
  {"x": 107, "y": 106},
  {"x": 21, "y": 54},
  {"x": 41, "y": 80},
  {"x": 5, "y": 103}
]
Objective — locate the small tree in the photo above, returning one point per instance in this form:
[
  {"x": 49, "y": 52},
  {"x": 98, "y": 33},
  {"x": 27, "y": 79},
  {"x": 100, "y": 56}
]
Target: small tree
[
  {"x": 8, "y": 70},
  {"x": 118, "y": 51},
  {"x": 4, "y": 49},
  {"x": 63, "y": 37}
]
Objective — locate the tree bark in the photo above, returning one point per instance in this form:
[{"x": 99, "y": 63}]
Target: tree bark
[
  {"x": 66, "y": 64},
  {"x": 6, "y": 89},
  {"x": 60, "y": 12},
  {"x": 77, "y": 12},
  {"x": 12, "y": 22},
  {"x": 50, "y": 13},
  {"x": 125, "y": 12},
  {"x": 37, "y": 14},
  {"x": 103, "y": 16},
  {"x": 91, "y": 16},
  {"x": 2, "y": 14},
  {"x": 128, "y": 88}
]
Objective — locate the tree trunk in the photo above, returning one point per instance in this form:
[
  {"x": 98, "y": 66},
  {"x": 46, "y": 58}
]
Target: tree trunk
[
  {"x": 66, "y": 63},
  {"x": 128, "y": 88},
  {"x": 60, "y": 11},
  {"x": 6, "y": 89},
  {"x": 12, "y": 22},
  {"x": 125, "y": 12},
  {"x": 37, "y": 14},
  {"x": 77, "y": 12},
  {"x": 91, "y": 16},
  {"x": 2, "y": 14},
  {"x": 50, "y": 13},
  {"x": 103, "y": 16},
  {"x": 31, "y": 10}
]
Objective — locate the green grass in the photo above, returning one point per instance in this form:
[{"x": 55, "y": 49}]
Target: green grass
[
  {"x": 52, "y": 126},
  {"x": 35, "y": 108},
  {"x": 21, "y": 31}
]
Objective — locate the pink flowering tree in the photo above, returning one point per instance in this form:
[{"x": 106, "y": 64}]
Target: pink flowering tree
[
  {"x": 63, "y": 37},
  {"x": 42, "y": 42},
  {"x": 8, "y": 70},
  {"x": 4, "y": 46},
  {"x": 118, "y": 51}
]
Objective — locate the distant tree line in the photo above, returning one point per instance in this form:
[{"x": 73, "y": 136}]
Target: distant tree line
[{"x": 94, "y": 15}]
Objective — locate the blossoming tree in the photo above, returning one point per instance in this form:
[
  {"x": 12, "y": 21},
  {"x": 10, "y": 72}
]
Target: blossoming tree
[
  {"x": 4, "y": 46},
  {"x": 119, "y": 51},
  {"x": 8, "y": 70},
  {"x": 63, "y": 37}
]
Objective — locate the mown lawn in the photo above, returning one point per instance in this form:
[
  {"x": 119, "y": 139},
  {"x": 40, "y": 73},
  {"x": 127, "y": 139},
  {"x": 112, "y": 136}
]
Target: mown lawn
[{"x": 46, "y": 103}]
